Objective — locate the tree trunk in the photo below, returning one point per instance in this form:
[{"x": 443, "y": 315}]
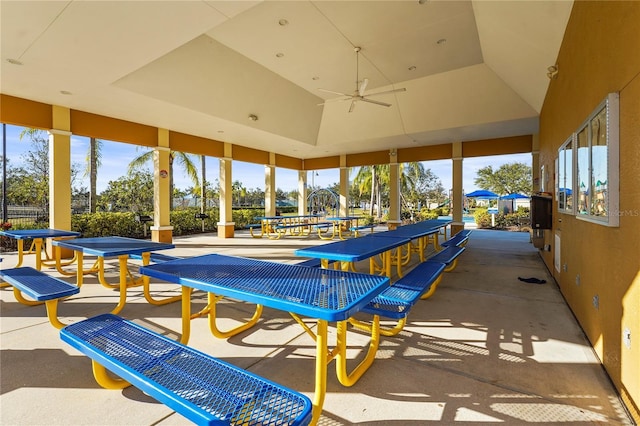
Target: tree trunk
[
  {"x": 170, "y": 182},
  {"x": 373, "y": 188},
  {"x": 203, "y": 188},
  {"x": 93, "y": 174}
]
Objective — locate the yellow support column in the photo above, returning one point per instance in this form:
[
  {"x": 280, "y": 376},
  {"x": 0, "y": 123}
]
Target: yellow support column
[
  {"x": 344, "y": 186},
  {"x": 535, "y": 162},
  {"x": 395, "y": 219},
  {"x": 270, "y": 187},
  {"x": 302, "y": 192},
  {"x": 457, "y": 194},
  {"x": 162, "y": 231},
  {"x": 226, "y": 224},
  {"x": 60, "y": 173}
]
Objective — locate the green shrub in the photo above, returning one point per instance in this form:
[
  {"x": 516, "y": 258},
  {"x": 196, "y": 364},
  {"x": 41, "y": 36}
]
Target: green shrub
[
  {"x": 244, "y": 217},
  {"x": 366, "y": 219},
  {"x": 426, "y": 214},
  {"x": 107, "y": 224},
  {"x": 482, "y": 218}
]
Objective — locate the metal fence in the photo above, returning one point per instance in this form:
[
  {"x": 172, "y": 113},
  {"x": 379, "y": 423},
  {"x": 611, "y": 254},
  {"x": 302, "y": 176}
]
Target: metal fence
[{"x": 24, "y": 215}]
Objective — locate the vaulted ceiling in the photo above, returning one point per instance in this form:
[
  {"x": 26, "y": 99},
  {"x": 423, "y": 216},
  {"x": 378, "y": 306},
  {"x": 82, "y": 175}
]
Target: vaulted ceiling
[{"x": 472, "y": 70}]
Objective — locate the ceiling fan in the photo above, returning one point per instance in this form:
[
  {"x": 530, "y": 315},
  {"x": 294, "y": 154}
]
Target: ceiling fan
[{"x": 358, "y": 94}]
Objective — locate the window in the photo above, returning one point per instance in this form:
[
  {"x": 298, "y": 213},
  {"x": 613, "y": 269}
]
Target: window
[
  {"x": 593, "y": 174},
  {"x": 597, "y": 164},
  {"x": 564, "y": 185},
  {"x": 587, "y": 180}
]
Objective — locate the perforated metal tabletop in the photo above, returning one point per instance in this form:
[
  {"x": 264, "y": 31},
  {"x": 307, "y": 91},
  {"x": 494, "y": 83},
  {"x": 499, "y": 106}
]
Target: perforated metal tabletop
[
  {"x": 353, "y": 250},
  {"x": 23, "y": 234},
  {"x": 318, "y": 293},
  {"x": 112, "y": 246}
]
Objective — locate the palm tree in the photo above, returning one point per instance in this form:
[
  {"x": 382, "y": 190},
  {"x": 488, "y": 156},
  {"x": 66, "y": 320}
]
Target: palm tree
[
  {"x": 94, "y": 156},
  {"x": 184, "y": 159},
  {"x": 237, "y": 190},
  {"x": 368, "y": 179},
  {"x": 376, "y": 178}
]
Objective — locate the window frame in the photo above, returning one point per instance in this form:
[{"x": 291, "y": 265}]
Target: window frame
[
  {"x": 562, "y": 177},
  {"x": 611, "y": 106}
]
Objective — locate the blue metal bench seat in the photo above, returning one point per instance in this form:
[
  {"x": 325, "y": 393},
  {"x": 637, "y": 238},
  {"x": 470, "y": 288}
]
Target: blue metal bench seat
[
  {"x": 293, "y": 225},
  {"x": 460, "y": 239},
  {"x": 40, "y": 287},
  {"x": 448, "y": 256},
  {"x": 155, "y": 257},
  {"x": 396, "y": 301},
  {"x": 198, "y": 386}
]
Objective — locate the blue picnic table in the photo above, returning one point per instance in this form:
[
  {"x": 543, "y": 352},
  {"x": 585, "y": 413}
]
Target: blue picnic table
[
  {"x": 340, "y": 222},
  {"x": 275, "y": 227},
  {"x": 38, "y": 236},
  {"x": 354, "y": 250},
  {"x": 325, "y": 295},
  {"x": 122, "y": 248},
  {"x": 421, "y": 232}
]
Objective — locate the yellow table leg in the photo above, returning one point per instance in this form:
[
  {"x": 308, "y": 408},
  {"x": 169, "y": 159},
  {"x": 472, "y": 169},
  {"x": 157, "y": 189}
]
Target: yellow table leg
[
  {"x": 80, "y": 271},
  {"x": 122, "y": 260},
  {"x": 59, "y": 264},
  {"x": 432, "y": 289},
  {"x": 38, "y": 252},
  {"x": 186, "y": 315},
  {"x": 20, "y": 253},
  {"x": 104, "y": 380},
  {"x": 349, "y": 379},
  {"x": 146, "y": 281},
  {"x": 321, "y": 370},
  {"x": 436, "y": 243},
  {"x": 388, "y": 331},
  {"x": 213, "y": 300},
  {"x": 21, "y": 299}
]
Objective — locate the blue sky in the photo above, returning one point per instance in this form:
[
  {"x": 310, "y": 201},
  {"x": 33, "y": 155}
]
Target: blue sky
[{"x": 116, "y": 157}]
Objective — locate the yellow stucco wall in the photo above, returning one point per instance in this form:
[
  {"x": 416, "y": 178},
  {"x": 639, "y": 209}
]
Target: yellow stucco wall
[{"x": 599, "y": 55}]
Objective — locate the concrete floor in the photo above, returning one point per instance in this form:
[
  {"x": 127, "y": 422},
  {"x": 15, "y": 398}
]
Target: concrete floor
[{"x": 486, "y": 348}]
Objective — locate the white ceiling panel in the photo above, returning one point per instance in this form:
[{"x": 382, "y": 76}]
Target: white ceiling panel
[{"x": 202, "y": 67}]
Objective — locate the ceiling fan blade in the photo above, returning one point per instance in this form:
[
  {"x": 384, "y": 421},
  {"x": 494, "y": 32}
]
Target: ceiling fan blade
[
  {"x": 387, "y": 92},
  {"x": 363, "y": 86},
  {"x": 353, "y": 105},
  {"x": 371, "y": 101},
  {"x": 328, "y": 101},
  {"x": 335, "y": 93}
]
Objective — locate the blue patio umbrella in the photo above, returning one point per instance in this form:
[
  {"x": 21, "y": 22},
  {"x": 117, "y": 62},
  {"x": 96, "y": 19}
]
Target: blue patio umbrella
[
  {"x": 482, "y": 194},
  {"x": 514, "y": 196}
]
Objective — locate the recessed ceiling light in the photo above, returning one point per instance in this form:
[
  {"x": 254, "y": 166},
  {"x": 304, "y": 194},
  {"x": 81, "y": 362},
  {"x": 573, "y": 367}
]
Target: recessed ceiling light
[
  {"x": 65, "y": 92},
  {"x": 412, "y": 68},
  {"x": 283, "y": 22},
  {"x": 315, "y": 78},
  {"x": 14, "y": 61},
  {"x": 220, "y": 131},
  {"x": 279, "y": 55},
  {"x": 441, "y": 41},
  {"x": 253, "y": 117}
]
